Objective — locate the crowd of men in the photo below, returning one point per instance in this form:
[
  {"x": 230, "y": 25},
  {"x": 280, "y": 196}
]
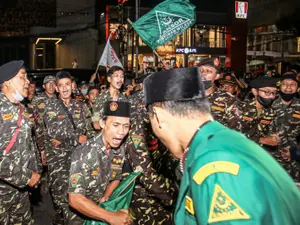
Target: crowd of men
[{"x": 82, "y": 141}]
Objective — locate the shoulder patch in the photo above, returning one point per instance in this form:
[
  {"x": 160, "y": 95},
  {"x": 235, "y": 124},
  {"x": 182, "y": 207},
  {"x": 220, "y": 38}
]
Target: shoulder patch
[
  {"x": 296, "y": 116},
  {"x": 41, "y": 105},
  {"x": 218, "y": 108},
  {"x": 136, "y": 140},
  {"x": 224, "y": 208},
  {"x": 215, "y": 167},
  {"x": 189, "y": 205},
  {"x": 74, "y": 179},
  {"x": 51, "y": 114},
  {"x": 8, "y": 116}
]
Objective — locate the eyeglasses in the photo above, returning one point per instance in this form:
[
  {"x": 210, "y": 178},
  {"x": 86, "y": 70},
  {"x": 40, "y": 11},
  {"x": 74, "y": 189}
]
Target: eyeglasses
[{"x": 269, "y": 93}]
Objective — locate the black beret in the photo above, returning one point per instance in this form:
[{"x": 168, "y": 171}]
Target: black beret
[
  {"x": 10, "y": 69},
  {"x": 172, "y": 85},
  {"x": 261, "y": 82},
  {"x": 212, "y": 62},
  {"x": 119, "y": 109},
  {"x": 289, "y": 75},
  {"x": 63, "y": 74}
]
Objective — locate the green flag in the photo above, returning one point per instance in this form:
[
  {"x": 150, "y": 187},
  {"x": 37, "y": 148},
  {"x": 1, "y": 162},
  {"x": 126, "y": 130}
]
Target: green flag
[
  {"x": 119, "y": 199},
  {"x": 165, "y": 21}
]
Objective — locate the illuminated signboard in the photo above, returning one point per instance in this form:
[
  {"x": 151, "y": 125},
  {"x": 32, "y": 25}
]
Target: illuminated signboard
[
  {"x": 241, "y": 10},
  {"x": 186, "y": 50}
]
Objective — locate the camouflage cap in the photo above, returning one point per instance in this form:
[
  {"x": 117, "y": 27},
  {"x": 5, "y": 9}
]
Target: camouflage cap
[
  {"x": 48, "y": 79},
  {"x": 212, "y": 62},
  {"x": 118, "y": 109},
  {"x": 176, "y": 84},
  {"x": 10, "y": 69},
  {"x": 228, "y": 79}
]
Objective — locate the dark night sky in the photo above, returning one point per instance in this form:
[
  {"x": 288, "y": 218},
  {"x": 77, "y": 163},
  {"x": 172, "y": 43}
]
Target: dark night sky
[{"x": 201, "y": 5}]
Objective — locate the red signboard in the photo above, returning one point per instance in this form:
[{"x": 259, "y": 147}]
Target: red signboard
[{"x": 241, "y": 10}]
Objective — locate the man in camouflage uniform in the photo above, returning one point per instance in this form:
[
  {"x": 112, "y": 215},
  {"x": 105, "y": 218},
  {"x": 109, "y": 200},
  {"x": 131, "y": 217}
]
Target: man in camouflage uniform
[
  {"x": 256, "y": 117},
  {"x": 287, "y": 108},
  {"x": 96, "y": 168},
  {"x": 155, "y": 193},
  {"x": 39, "y": 103},
  {"x": 115, "y": 78},
  {"x": 18, "y": 163},
  {"x": 66, "y": 128},
  {"x": 221, "y": 102}
]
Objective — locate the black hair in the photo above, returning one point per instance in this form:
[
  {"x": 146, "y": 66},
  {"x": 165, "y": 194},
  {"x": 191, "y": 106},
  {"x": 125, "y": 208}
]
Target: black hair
[
  {"x": 114, "y": 69},
  {"x": 187, "y": 108},
  {"x": 63, "y": 74}
]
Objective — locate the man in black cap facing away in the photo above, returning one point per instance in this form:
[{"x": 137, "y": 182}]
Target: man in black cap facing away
[
  {"x": 227, "y": 178},
  {"x": 221, "y": 102},
  {"x": 96, "y": 168},
  {"x": 18, "y": 166}
]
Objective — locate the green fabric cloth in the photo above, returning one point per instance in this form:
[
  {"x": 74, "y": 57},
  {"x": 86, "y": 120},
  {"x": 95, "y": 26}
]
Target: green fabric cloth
[
  {"x": 237, "y": 183},
  {"x": 119, "y": 199},
  {"x": 165, "y": 21}
]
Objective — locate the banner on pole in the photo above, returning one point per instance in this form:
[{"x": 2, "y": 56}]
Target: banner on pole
[
  {"x": 109, "y": 57},
  {"x": 165, "y": 21}
]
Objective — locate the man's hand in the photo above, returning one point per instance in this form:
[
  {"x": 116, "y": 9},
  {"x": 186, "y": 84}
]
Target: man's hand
[
  {"x": 103, "y": 199},
  {"x": 272, "y": 140},
  {"x": 93, "y": 78},
  {"x": 55, "y": 143},
  {"x": 82, "y": 139},
  {"x": 34, "y": 179},
  {"x": 121, "y": 217},
  {"x": 43, "y": 156}
]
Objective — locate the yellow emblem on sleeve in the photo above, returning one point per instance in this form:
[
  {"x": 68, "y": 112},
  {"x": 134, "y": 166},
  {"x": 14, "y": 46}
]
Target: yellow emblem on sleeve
[
  {"x": 224, "y": 208},
  {"x": 189, "y": 205},
  {"x": 215, "y": 167}
]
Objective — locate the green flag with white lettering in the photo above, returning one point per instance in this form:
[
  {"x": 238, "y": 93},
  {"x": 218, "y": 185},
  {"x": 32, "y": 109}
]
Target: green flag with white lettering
[{"x": 165, "y": 21}]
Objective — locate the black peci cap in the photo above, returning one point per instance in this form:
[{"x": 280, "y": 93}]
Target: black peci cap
[
  {"x": 118, "y": 109},
  {"x": 172, "y": 85}
]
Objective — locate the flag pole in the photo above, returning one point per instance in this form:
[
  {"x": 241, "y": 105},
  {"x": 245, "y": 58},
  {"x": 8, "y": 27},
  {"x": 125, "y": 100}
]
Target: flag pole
[{"x": 161, "y": 59}]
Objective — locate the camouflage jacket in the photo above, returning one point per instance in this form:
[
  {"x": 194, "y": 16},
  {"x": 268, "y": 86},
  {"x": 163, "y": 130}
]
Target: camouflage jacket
[
  {"x": 140, "y": 156},
  {"x": 17, "y": 165},
  {"x": 59, "y": 126},
  {"x": 39, "y": 104},
  {"x": 253, "y": 125},
  {"x": 287, "y": 122},
  {"x": 92, "y": 168},
  {"x": 222, "y": 105},
  {"x": 99, "y": 102}
]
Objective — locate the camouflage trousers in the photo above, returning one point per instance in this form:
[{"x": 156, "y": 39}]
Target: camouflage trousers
[
  {"x": 148, "y": 211},
  {"x": 292, "y": 167},
  {"x": 15, "y": 209},
  {"x": 58, "y": 172}
]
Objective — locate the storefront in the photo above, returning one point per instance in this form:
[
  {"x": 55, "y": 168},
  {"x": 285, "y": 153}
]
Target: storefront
[{"x": 189, "y": 56}]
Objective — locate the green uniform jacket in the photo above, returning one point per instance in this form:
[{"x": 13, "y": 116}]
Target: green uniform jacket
[{"x": 229, "y": 179}]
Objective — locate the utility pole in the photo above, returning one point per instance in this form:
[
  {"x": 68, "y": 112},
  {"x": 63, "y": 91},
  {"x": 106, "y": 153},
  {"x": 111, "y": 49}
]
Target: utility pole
[{"x": 136, "y": 40}]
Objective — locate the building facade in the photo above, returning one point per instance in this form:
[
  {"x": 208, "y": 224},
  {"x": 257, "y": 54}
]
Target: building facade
[
  {"x": 267, "y": 45},
  {"x": 216, "y": 33}
]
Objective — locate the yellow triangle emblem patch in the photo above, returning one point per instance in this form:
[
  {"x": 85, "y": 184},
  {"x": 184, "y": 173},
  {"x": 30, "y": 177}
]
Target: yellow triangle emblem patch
[{"x": 224, "y": 208}]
